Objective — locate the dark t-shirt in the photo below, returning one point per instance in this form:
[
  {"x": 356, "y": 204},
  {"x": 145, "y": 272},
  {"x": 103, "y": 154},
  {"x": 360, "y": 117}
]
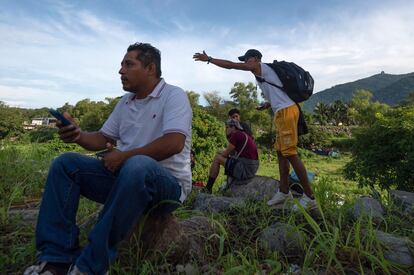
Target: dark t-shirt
[{"x": 238, "y": 139}]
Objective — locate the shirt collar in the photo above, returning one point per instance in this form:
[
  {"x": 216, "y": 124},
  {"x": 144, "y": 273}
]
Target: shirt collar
[
  {"x": 155, "y": 93},
  {"x": 158, "y": 89}
]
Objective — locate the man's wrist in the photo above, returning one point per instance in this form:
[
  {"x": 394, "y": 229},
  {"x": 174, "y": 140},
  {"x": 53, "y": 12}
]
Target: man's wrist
[{"x": 209, "y": 58}]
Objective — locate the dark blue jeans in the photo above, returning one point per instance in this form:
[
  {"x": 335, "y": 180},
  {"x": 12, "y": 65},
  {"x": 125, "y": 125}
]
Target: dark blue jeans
[{"x": 139, "y": 185}]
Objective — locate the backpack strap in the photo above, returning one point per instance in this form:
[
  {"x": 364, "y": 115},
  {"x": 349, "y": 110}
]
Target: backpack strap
[
  {"x": 245, "y": 143},
  {"x": 262, "y": 79}
]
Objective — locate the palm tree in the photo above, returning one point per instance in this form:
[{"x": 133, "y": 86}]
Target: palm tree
[{"x": 321, "y": 113}]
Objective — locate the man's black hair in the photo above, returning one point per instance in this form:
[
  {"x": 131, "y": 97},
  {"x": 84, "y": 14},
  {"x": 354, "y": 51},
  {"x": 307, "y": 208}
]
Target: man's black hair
[
  {"x": 234, "y": 111},
  {"x": 147, "y": 54}
]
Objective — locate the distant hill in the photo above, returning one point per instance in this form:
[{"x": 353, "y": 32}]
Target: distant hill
[{"x": 386, "y": 88}]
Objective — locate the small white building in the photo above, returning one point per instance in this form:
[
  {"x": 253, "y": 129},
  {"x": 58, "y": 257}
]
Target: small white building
[{"x": 39, "y": 122}]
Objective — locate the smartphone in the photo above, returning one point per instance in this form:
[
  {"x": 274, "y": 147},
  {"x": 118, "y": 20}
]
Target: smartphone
[
  {"x": 59, "y": 116},
  {"x": 101, "y": 154}
]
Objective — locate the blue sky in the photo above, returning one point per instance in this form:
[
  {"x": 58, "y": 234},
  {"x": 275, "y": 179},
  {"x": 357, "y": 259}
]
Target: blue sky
[{"x": 54, "y": 52}]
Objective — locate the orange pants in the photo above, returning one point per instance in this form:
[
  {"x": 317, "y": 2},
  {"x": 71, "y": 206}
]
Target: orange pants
[{"x": 286, "y": 122}]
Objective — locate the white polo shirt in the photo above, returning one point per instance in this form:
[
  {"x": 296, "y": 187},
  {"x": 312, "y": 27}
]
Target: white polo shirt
[
  {"x": 278, "y": 99},
  {"x": 135, "y": 123}
]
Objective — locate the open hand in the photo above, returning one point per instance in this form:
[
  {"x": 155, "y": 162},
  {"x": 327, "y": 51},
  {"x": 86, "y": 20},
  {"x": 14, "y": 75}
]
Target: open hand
[{"x": 200, "y": 56}]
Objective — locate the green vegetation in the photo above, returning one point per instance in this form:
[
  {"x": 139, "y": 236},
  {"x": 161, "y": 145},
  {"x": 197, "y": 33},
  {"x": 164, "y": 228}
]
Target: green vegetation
[
  {"x": 383, "y": 153},
  {"x": 376, "y": 152}
]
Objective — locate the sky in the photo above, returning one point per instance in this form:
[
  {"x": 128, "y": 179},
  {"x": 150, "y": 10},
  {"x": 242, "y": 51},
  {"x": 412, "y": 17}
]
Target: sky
[{"x": 53, "y": 52}]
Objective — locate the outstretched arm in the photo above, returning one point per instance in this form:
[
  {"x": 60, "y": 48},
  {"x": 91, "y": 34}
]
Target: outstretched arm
[{"x": 248, "y": 66}]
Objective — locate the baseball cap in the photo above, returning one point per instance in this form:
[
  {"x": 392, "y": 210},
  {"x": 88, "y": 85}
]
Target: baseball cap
[
  {"x": 251, "y": 53},
  {"x": 234, "y": 123}
]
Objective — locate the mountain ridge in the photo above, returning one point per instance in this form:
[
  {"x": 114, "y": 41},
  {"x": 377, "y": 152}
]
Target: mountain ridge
[{"x": 386, "y": 88}]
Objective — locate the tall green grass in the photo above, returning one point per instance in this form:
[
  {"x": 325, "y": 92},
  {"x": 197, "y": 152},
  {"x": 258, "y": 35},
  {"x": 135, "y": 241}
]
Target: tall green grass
[{"x": 335, "y": 243}]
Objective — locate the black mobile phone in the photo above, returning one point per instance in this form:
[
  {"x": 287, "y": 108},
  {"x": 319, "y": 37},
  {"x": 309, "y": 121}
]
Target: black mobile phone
[
  {"x": 101, "y": 154},
  {"x": 59, "y": 116}
]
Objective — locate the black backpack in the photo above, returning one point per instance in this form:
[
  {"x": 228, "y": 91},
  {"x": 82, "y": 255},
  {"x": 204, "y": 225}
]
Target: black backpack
[{"x": 297, "y": 83}]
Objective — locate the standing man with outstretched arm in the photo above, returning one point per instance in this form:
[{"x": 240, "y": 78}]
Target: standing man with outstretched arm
[
  {"x": 150, "y": 167},
  {"x": 285, "y": 118}
]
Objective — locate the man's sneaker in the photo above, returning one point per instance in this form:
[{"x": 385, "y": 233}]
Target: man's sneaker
[
  {"x": 306, "y": 203},
  {"x": 36, "y": 269},
  {"x": 279, "y": 198},
  {"x": 74, "y": 270},
  {"x": 45, "y": 268}
]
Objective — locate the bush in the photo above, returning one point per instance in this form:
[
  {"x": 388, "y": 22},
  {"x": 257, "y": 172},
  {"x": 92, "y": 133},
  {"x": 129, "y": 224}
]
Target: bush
[
  {"x": 57, "y": 146},
  {"x": 208, "y": 137},
  {"x": 383, "y": 153},
  {"x": 342, "y": 143},
  {"x": 316, "y": 136},
  {"x": 42, "y": 135}
]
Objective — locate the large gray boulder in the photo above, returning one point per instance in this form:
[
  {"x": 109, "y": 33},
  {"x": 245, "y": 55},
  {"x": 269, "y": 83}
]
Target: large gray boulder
[
  {"x": 257, "y": 188},
  {"x": 283, "y": 238},
  {"x": 178, "y": 241},
  {"x": 398, "y": 250},
  {"x": 209, "y": 203},
  {"x": 403, "y": 199},
  {"x": 368, "y": 207}
]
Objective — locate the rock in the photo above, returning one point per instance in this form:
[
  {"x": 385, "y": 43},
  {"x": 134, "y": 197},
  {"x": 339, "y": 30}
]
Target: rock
[
  {"x": 257, "y": 188},
  {"x": 178, "y": 241},
  {"x": 397, "y": 249},
  {"x": 209, "y": 203},
  {"x": 283, "y": 238},
  {"x": 366, "y": 206},
  {"x": 404, "y": 199},
  {"x": 28, "y": 216},
  {"x": 188, "y": 269}
]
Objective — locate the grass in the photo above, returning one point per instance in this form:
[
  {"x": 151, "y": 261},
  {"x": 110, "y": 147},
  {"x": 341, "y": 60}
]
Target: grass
[{"x": 335, "y": 244}]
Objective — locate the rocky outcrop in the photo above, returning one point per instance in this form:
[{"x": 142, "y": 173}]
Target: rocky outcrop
[
  {"x": 283, "y": 238},
  {"x": 403, "y": 199},
  {"x": 210, "y": 203},
  {"x": 257, "y": 188},
  {"x": 177, "y": 241},
  {"x": 398, "y": 250},
  {"x": 369, "y": 207}
]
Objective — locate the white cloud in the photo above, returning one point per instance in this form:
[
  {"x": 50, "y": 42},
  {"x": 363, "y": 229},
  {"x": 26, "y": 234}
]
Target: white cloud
[{"x": 77, "y": 56}]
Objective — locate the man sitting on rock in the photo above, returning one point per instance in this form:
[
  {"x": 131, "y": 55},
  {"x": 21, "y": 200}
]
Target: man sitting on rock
[{"x": 243, "y": 163}]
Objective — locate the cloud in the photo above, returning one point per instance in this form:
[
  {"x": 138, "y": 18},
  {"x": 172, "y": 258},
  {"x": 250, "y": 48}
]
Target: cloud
[{"x": 75, "y": 53}]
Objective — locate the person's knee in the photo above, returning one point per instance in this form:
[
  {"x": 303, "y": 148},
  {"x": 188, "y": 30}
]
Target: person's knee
[
  {"x": 137, "y": 167},
  {"x": 138, "y": 164},
  {"x": 289, "y": 151},
  {"x": 217, "y": 158},
  {"x": 64, "y": 160}
]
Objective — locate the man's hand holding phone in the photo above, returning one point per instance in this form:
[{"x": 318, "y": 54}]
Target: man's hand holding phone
[
  {"x": 263, "y": 106},
  {"x": 68, "y": 131}
]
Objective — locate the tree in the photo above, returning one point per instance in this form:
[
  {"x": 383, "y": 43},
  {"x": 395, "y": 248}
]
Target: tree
[
  {"x": 338, "y": 113},
  {"x": 216, "y": 105},
  {"x": 193, "y": 97},
  {"x": 362, "y": 110},
  {"x": 91, "y": 114},
  {"x": 245, "y": 96},
  {"x": 383, "y": 153},
  {"x": 66, "y": 108},
  {"x": 208, "y": 137},
  {"x": 321, "y": 113},
  {"x": 409, "y": 101},
  {"x": 11, "y": 122}
]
